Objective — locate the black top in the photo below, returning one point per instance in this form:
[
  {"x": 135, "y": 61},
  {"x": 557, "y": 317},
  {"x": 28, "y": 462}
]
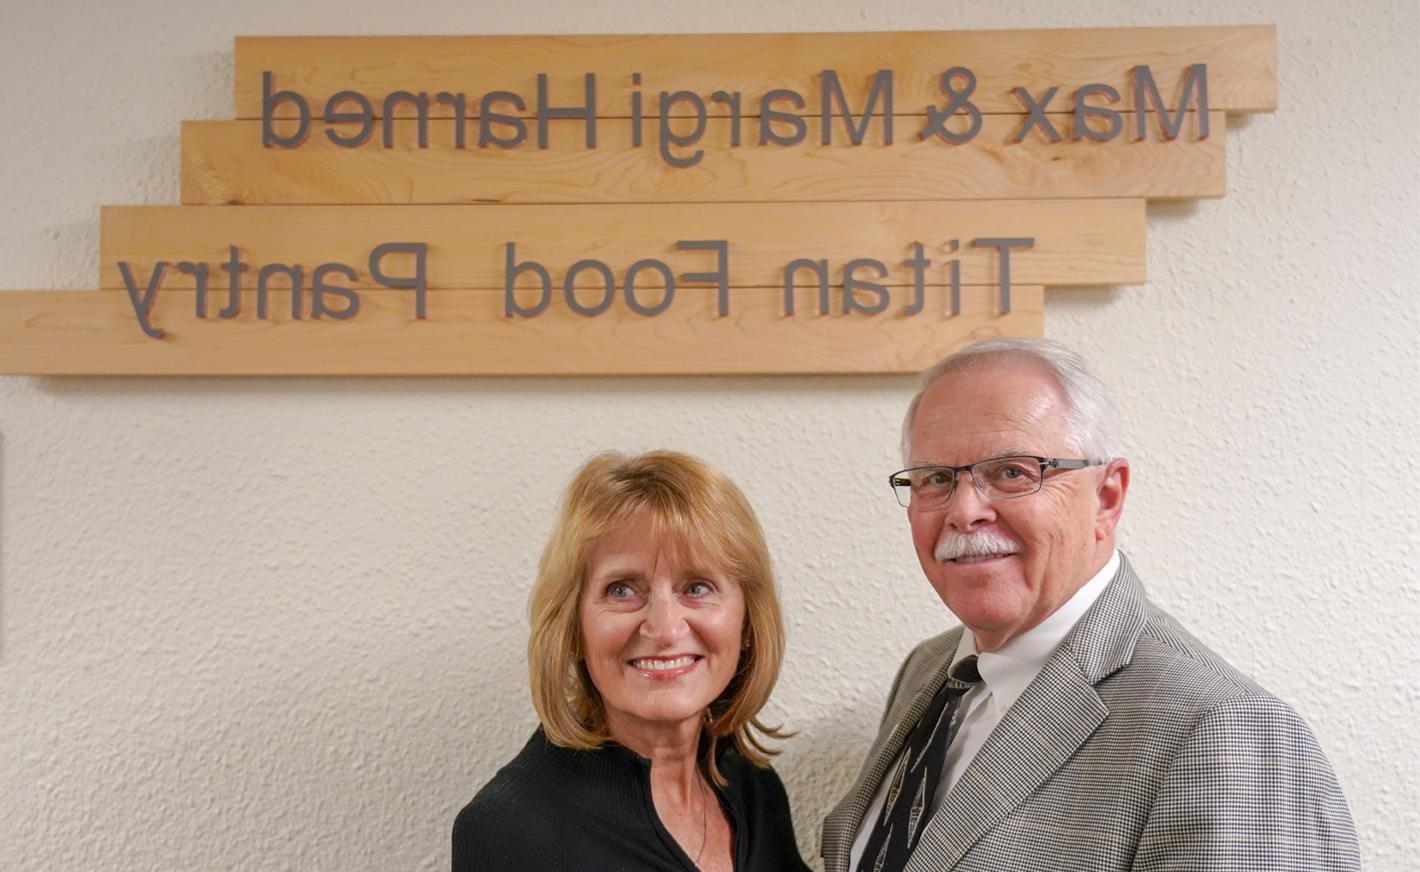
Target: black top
[{"x": 564, "y": 810}]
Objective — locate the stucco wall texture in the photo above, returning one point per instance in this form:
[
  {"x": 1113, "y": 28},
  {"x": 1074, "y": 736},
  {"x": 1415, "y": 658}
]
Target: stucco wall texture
[{"x": 280, "y": 624}]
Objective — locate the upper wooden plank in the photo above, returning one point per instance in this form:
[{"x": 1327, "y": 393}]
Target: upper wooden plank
[
  {"x": 224, "y": 162},
  {"x": 1241, "y": 63}
]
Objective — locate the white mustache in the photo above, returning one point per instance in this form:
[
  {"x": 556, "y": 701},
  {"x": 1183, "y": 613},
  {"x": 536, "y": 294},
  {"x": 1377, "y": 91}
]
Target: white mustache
[{"x": 984, "y": 543}]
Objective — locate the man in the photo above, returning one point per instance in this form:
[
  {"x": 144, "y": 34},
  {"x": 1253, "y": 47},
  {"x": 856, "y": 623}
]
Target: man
[{"x": 1069, "y": 724}]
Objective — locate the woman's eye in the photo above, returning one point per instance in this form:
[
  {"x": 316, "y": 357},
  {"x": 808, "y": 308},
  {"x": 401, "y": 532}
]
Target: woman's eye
[
  {"x": 619, "y": 590},
  {"x": 699, "y": 588}
]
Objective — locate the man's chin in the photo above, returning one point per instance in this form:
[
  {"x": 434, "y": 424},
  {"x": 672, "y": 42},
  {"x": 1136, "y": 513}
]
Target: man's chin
[{"x": 980, "y": 587}]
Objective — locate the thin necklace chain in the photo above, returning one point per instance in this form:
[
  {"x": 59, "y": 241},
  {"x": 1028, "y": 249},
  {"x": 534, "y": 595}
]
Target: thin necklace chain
[{"x": 704, "y": 819}]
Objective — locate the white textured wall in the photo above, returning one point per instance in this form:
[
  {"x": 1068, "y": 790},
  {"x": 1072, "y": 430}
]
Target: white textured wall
[{"x": 278, "y": 625}]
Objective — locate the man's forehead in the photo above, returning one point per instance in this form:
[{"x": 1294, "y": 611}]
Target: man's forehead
[{"x": 1003, "y": 409}]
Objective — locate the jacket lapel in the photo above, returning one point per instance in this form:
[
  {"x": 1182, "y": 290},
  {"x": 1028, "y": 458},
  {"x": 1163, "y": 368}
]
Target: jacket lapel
[
  {"x": 907, "y": 707},
  {"x": 1047, "y": 724}
]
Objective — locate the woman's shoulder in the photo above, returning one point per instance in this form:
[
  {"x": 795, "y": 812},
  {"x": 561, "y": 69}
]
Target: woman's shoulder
[
  {"x": 511, "y": 823},
  {"x": 527, "y": 779},
  {"x": 762, "y": 805},
  {"x": 755, "y": 790},
  {"x": 746, "y": 777}
]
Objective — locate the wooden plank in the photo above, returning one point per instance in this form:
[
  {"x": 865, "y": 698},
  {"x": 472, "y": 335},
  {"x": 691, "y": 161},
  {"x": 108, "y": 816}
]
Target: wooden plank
[
  {"x": 95, "y": 333},
  {"x": 1241, "y": 61},
  {"x": 225, "y": 162},
  {"x": 1077, "y": 242}
]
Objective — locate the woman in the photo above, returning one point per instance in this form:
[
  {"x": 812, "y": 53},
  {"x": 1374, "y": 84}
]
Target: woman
[{"x": 656, "y": 639}]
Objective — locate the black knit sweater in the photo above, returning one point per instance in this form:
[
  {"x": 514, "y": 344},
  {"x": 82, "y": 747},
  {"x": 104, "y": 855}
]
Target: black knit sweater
[{"x": 563, "y": 810}]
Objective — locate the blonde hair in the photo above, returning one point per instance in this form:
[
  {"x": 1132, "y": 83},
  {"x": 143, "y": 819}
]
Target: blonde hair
[{"x": 693, "y": 505}]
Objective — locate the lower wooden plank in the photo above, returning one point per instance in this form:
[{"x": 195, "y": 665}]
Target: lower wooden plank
[
  {"x": 466, "y": 333},
  {"x": 1076, "y": 242}
]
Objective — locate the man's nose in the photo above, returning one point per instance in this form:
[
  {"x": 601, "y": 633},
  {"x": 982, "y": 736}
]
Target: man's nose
[
  {"x": 665, "y": 620},
  {"x": 968, "y": 508}
]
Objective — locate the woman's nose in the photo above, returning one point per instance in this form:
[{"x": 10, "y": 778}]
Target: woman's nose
[{"x": 665, "y": 620}]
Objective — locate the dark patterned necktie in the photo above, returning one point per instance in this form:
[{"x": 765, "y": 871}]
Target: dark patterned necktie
[{"x": 914, "y": 780}]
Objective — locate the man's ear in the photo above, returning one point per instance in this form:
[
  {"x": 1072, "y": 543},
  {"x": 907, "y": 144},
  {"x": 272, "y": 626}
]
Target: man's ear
[{"x": 1112, "y": 488}]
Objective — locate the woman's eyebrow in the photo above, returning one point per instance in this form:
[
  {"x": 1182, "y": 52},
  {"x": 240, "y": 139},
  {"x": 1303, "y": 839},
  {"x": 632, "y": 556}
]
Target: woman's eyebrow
[{"x": 618, "y": 572}]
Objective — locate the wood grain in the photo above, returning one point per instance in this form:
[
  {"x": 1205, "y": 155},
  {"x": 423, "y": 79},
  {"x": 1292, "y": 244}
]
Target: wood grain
[
  {"x": 224, "y": 162},
  {"x": 95, "y": 333},
  {"x": 1241, "y": 61},
  {"x": 1077, "y": 242}
]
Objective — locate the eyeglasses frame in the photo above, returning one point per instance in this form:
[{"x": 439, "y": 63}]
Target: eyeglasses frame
[{"x": 1046, "y": 463}]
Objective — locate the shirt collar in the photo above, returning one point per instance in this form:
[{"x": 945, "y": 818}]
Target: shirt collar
[{"x": 1009, "y": 670}]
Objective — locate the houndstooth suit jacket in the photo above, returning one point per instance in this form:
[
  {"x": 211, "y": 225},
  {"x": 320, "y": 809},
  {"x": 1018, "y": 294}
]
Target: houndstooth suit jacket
[{"x": 1136, "y": 748}]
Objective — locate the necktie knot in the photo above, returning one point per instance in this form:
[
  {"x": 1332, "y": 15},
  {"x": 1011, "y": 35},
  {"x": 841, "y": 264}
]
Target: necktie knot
[{"x": 966, "y": 670}]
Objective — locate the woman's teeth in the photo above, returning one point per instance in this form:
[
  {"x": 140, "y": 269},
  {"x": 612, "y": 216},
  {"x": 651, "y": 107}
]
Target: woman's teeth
[{"x": 654, "y": 664}]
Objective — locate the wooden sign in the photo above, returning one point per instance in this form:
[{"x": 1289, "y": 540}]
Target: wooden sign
[{"x": 747, "y": 203}]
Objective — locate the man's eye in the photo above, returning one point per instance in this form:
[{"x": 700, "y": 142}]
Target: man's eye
[
  {"x": 1010, "y": 473},
  {"x": 940, "y": 478}
]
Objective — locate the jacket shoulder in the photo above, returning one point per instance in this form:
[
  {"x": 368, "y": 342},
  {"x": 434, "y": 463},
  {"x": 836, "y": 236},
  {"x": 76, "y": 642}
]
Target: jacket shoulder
[
  {"x": 922, "y": 663},
  {"x": 927, "y": 658},
  {"x": 1169, "y": 653}
]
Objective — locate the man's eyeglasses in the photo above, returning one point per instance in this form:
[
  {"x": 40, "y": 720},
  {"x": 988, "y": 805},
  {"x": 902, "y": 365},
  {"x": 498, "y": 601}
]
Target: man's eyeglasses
[{"x": 1000, "y": 478}]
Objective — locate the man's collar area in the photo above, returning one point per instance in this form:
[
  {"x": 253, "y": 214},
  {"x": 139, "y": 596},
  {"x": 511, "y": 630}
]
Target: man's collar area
[{"x": 1010, "y": 669}]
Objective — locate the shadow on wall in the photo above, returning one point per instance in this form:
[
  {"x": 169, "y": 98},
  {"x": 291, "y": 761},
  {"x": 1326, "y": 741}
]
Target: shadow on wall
[
  {"x": 1171, "y": 211},
  {"x": 1083, "y": 299},
  {"x": 154, "y": 160},
  {"x": 825, "y": 757},
  {"x": 75, "y": 265}
]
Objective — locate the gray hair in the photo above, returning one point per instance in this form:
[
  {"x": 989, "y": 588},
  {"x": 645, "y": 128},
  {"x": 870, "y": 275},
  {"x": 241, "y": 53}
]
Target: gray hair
[{"x": 1094, "y": 423}]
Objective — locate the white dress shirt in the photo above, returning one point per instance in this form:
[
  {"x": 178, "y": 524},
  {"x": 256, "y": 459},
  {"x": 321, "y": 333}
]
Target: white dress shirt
[{"x": 1005, "y": 675}]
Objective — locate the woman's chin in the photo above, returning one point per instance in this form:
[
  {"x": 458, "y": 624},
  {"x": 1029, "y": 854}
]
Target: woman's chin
[{"x": 660, "y": 713}]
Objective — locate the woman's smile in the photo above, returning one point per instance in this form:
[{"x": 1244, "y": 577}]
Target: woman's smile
[{"x": 664, "y": 668}]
